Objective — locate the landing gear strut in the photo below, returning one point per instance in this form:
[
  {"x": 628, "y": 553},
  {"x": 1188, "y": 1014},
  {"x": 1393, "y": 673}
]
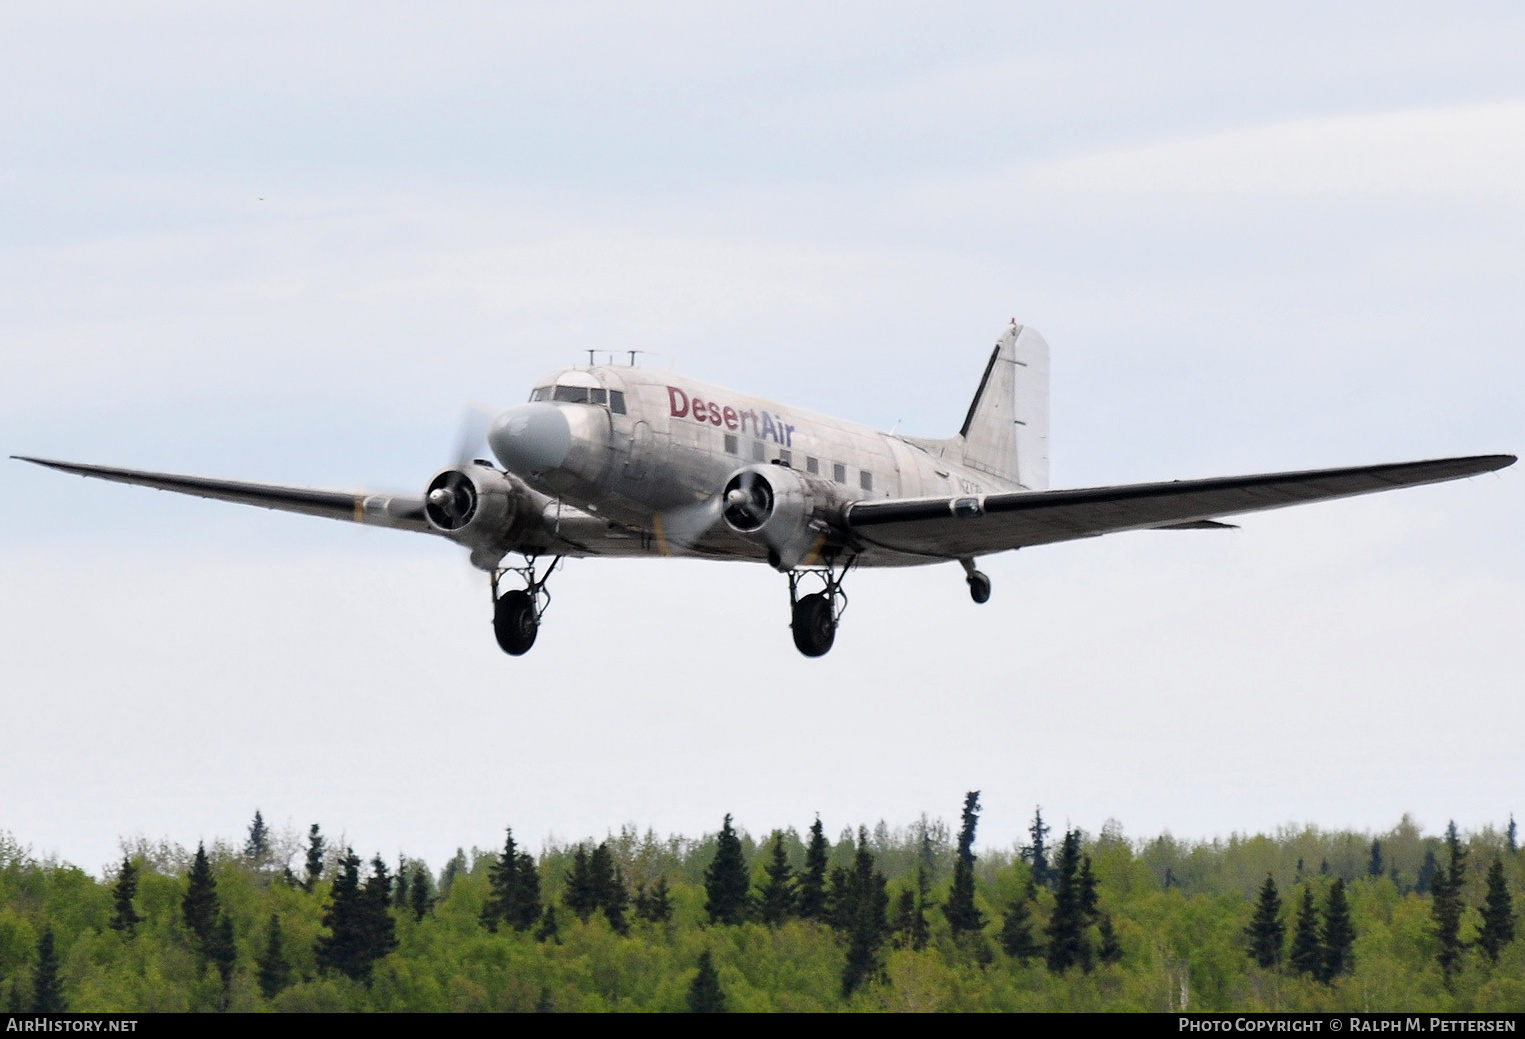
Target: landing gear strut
[
  {"x": 516, "y": 614},
  {"x": 979, "y": 584},
  {"x": 814, "y": 617}
]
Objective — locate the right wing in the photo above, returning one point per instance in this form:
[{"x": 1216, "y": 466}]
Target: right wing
[
  {"x": 404, "y": 511},
  {"x": 974, "y": 525}
]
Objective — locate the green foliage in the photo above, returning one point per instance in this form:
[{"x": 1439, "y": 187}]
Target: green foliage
[
  {"x": 1175, "y": 949},
  {"x": 704, "y": 995},
  {"x": 1017, "y": 938}
]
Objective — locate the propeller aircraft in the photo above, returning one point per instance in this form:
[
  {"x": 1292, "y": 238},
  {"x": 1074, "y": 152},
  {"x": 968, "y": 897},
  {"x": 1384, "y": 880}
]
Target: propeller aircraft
[{"x": 617, "y": 460}]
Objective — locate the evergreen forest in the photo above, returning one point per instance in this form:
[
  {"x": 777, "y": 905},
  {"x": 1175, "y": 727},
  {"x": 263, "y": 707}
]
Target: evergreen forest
[{"x": 888, "y": 919}]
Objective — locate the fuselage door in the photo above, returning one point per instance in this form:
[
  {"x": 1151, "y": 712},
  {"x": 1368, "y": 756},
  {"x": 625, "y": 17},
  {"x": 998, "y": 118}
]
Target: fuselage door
[{"x": 638, "y": 460}]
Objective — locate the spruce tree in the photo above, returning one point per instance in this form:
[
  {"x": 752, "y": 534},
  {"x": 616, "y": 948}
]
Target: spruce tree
[
  {"x": 616, "y": 902},
  {"x": 1017, "y": 938},
  {"x": 274, "y": 968},
  {"x": 704, "y": 994},
  {"x": 870, "y": 926},
  {"x": 502, "y": 885},
  {"x": 315, "y": 848},
  {"x": 1036, "y": 853},
  {"x": 400, "y": 885},
  {"x": 380, "y": 927},
  {"x": 344, "y": 948},
  {"x": 1339, "y": 934},
  {"x": 1088, "y": 894},
  {"x": 1511, "y": 836},
  {"x": 659, "y": 903},
  {"x": 544, "y": 1005},
  {"x": 777, "y": 903},
  {"x": 47, "y": 986},
  {"x": 921, "y": 931},
  {"x": 125, "y": 917},
  {"x": 1111, "y": 950},
  {"x": 199, "y": 906},
  {"x": 419, "y": 899},
  {"x": 963, "y": 916},
  {"x": 841, "y": 905},
  {"x": 222, "y": 953},
  {"x": 1427, "y": 871},
  {"x": 580, "y": 895},
  {"x": 1307, "y": 954},
  {"x": 1375, "y": 868},
  {"x": 1446, "y": 906},
  {"x": 1498, "y": 912},
  {"x": 257, "y": 847},
  {"x": 1266, "y": 931},
  {"x": 726, "y": 883},
  {"x": 454, "y": 868},
  {"x": 812, "y": 883},
  {"x": 905, "y": 912},
  {"x": 1067, "y": 944},
  {"x": 548, "y": 931}
]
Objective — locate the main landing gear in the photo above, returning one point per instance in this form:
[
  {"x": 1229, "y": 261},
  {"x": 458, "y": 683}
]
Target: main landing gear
[
  {"x": 814, "y": 617},
  {"x": 516, "y": 614},
  {"x": 979, "y": 584}
]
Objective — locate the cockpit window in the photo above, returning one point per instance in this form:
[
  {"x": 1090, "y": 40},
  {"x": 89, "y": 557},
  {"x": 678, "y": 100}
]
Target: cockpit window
[
  {"x": 616, "y": 402},
  {"x": 571, "y": 394},
  {"x": 540, "y": 393}
]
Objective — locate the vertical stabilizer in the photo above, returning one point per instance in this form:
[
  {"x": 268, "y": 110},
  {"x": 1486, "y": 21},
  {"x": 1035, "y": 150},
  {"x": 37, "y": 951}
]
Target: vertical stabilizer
[{"x": 1005, "y": 433}]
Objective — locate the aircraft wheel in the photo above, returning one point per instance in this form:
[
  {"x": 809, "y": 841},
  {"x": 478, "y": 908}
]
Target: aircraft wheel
[
  {"x": 815, "y": 626},
  {"x": 979, "y": 587},
  {"x": 515, "y": 622}
]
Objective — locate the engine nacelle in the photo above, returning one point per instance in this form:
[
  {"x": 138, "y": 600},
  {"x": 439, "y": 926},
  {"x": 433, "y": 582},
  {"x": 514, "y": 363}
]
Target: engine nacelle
[
  {"x": 792, "y": 513},
  {"x": 474, "y": 505}
]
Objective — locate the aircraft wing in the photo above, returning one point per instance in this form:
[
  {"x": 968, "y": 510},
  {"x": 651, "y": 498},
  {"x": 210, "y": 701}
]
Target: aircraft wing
[
  {"x": 405, "y": 511},
  {"x": 968, "y": 526}
]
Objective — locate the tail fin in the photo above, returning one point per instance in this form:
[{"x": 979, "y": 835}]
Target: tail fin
[{"x": 1006, "y": 431}]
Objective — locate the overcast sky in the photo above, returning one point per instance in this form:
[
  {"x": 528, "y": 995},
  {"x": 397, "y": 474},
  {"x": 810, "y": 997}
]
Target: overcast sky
[{"x": 291, "y": 242}]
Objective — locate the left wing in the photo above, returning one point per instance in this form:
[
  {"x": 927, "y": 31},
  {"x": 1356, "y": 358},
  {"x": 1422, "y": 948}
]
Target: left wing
[
  {"x": 405, "y": 511},
  {"x": 974, "y": 525}
]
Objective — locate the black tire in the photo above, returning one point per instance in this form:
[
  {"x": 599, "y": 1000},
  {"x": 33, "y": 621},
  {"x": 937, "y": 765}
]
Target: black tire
[
  {"x": 979, "y": 587},
  {"x": 815, "y": 628},
  {"x": 515, "y": 622}
]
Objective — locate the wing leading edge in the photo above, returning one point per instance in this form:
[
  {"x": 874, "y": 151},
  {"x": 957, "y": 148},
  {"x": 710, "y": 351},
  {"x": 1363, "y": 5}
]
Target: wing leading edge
[
  {"x": 963, "y": 527},
  {"x": 405, "y": 511}
]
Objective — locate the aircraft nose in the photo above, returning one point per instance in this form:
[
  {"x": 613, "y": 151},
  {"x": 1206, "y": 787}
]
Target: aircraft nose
[{"x": 530, "y": 438}]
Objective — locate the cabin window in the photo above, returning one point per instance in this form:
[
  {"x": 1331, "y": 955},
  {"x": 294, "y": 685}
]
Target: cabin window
[
  {"x": 731, "y": 445},
  {"x": 866, "y": 480},
  {"x": 571, "y": 394},
  {"x": 813, "y": 465},
  {"x": 617, "y": 402},
  {"x": 598, "y": 396},
  {"x": 758, "y": 453},
  {"x": 839, "y": 472},
  {"x": 785, "y": 458},
  {"x": 540, "y": 393}
]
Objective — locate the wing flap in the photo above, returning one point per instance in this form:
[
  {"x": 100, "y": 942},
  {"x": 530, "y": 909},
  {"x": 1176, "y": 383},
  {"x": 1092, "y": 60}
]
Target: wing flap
[
  {"x": 404, "y": 511},
  {"x": 954, "y": 528}
]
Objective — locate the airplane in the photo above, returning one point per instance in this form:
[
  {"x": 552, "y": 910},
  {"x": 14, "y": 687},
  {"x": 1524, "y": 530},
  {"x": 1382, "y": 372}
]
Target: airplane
[{"x": 623, "y": 460}]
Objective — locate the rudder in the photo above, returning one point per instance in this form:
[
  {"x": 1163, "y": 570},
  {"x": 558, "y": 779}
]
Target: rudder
[{"x": 1005, "y": 432}]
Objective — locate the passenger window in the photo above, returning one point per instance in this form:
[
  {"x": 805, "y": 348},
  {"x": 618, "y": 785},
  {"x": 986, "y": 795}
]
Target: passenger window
[
  {"x": 813, "y": 465},
  {"x": 571, "y": 394},
  {"x": 617, "y": 402},
  {"x": 785, "y": 458},
  {"x": 758, "y": 454},
  {"x": 540, "y": 393},
  {"x": 731, "y": 447},
  {"x": 598, "y": 396},
  {"x": 839, "y": 472},
  {"x": 866, "y": 480}
]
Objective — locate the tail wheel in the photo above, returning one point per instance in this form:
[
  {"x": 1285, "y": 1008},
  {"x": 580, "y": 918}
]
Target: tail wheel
[
  {"x": 979, "y": 587},
  {"x": 815, "y": 626},
  {"x": 515, "y": 622}
]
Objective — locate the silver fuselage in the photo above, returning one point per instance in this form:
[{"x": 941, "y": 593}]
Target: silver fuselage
[{"x": 648, "y": 442}]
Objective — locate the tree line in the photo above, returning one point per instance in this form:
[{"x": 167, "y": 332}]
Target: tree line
[{"x": 877, "y": 917}]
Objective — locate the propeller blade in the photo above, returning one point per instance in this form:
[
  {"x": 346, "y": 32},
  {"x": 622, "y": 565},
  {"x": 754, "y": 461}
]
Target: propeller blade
[
  {"x": 471, "y": 435},
  {"x": 678, "y": 529}
]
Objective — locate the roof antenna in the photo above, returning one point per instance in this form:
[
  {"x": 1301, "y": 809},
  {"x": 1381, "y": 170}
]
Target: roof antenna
[
  {"x": 590, "y": 358},
  {"x": 632, "y": 356}
]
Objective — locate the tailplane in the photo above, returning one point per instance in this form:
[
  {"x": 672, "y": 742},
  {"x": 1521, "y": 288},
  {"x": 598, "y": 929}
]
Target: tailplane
[{"x": 1005, "y": 433}]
